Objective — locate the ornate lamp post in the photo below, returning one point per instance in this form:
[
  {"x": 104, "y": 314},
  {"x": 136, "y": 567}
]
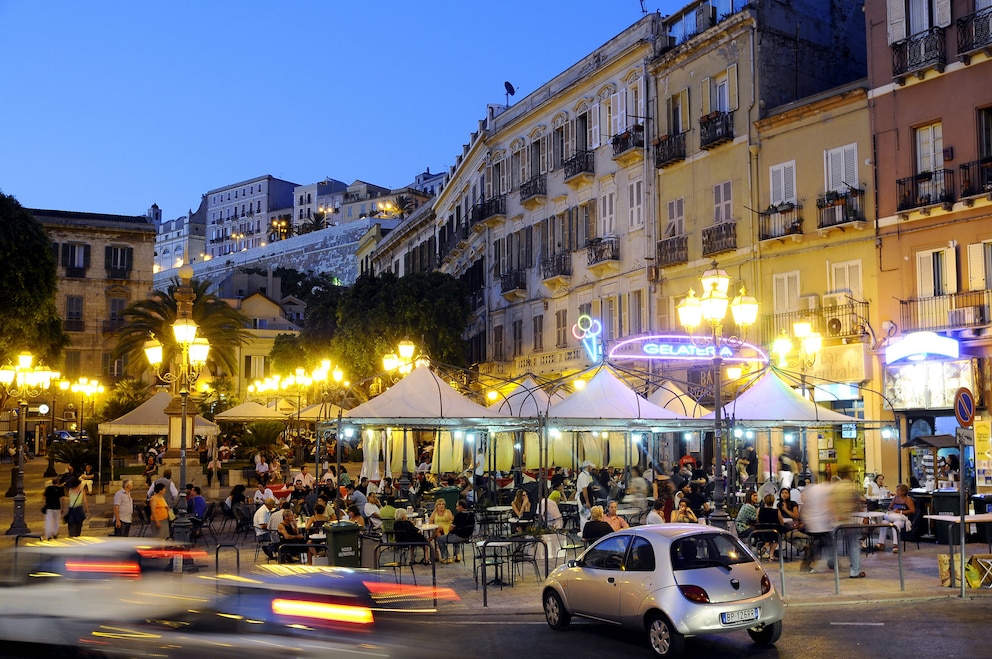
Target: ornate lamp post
[
  {"x": 323, "y": 375},
  {"x": 711, "y": 308},
  {"x": 192, "y": 357},
  {"x": 23, "y": 381},
  {"x": 398, "y": 365},
  {"x": 810, "y": 343}
]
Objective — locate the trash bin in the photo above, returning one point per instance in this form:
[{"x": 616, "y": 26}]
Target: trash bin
[
  {"x": 342, "y": 544},
  {"x": 945, "y": 503},
  {"x": 449, "y": 494},
  {"x": 983, "y": 504}
]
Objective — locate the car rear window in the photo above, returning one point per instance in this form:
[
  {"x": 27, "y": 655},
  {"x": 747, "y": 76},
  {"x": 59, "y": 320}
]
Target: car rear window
[{"x": 706, "y": 550}]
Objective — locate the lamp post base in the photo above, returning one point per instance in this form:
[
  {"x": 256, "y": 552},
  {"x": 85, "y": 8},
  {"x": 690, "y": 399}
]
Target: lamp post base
[
  {"x": 50, "y": 472},
  {"x": 18, "y": 525},
  {"x": 720, "y": 519}
]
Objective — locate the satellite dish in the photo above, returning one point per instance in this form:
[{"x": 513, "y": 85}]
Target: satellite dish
[{"x": 509, "y": 88}]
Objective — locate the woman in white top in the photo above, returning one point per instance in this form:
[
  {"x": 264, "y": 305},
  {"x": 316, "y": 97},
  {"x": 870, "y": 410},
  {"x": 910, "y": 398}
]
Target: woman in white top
[{"x": 876, "y": 488}]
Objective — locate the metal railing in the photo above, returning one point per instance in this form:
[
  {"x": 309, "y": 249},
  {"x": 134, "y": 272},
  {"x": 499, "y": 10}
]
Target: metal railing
[
  {"x": 672, "y": 251},
  {"x": 976, "y": 177},
  {"x": 924, "y": 50},
  {"x": 513, "y": 280},
  {"x": 715, "y": 129},
  {"x": 670, "y": 149},
  {"x": 627, "y": 140},
  {"x": 534, "y": 187},
  {"x": 836, "y": 208},
  {"x": 557, "y": 265},
  {"x": 941, "y": 312},
  {"x": 487, "y": 209},
  {"x": 844, "y": 528},
  {"x": 926, "y": 189},
  {"x": 583, "y": 162},
  {"x": 720, "y": 237},
  {"x": 606, "y": 249},
  {"x": 975, "y": 31},
  {"x": 844, "y": 320},
  {"x": 785, "y": 220}
]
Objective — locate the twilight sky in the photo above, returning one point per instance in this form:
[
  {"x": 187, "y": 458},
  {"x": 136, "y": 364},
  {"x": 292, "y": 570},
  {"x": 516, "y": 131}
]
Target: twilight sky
[{"x": 111, "y": 106}]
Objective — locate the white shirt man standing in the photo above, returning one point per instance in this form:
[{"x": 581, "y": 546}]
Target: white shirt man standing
[
  {"x": 123, "y": 509},
  {"x": 582, "y": 494}
]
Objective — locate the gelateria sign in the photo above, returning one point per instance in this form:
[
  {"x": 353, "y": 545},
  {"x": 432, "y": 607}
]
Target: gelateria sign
[{"x": 680, "y": 347}]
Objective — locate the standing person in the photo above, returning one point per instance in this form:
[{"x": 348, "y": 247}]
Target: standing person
[
  {"x": 78, "y": 510},
  {"x": 54, "y": 506},
  {"x": 123, "y": 509},
  {"x": 213, "y": 468},
  {"x": 817, "y": 519},
  {"x": 583, "y": 493},
  {"x": 747, "y": 465},
  {"x": 170, "y": 491},
  {"x": 786, "y": 469},
  {"x": 160, "y": 510},
  {"x": 844, "y": 499}
]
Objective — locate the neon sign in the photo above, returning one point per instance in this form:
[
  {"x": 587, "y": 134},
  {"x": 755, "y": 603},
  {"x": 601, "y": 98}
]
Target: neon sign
[
  {"x": 587, "y": 331},
  {"x": 680, "y": 347},
  {"x": 921, "y": 345}
]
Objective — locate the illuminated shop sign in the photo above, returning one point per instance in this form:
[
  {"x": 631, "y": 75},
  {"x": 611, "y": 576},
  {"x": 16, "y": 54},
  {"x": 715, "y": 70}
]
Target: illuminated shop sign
[
  {"x": 680, "y": 347},
  {"x": 922, "y": 345},
  {"x": 588, "y": 330}
]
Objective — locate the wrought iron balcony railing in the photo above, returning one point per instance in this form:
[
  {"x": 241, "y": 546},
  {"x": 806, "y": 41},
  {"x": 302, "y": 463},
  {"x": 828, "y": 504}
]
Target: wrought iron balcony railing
[
  {"x": 556, "y": 265},
  {"x": 604, "y": 249},
  {"x": 670, "y": 149},
  {"x": 715, "y": 129},
  {"x": 719, "y": 238},
  {"x": 926, "y": 50},
  {"x": 926, "y": 189},
  {"x": 836, "y": 208},
  {"x": 782, "y": 220},
  {"x": 672, "y": 251}
]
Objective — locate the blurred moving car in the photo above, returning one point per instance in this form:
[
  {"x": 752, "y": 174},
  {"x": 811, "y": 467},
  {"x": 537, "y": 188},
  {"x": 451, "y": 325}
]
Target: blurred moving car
[
  {"x": 671, "y": 581},
  {"x": 51, "y": 592},
  {"x": 62, "y": 436},
  {"x": 279, "y": 610}
]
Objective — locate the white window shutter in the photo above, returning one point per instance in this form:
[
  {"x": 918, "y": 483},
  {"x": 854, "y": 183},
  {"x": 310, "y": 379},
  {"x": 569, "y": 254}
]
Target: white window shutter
[
  {"x": 622, "y": 111},
  {"x": 776, "y": 184},
  {"x": 684, "y": 109},
  {"x": 840, "y": 282},
  {"x": 854, "y": 280},
  {"x": 544, "y": 154},
  {"x": 924, "y": 275},
  {"x": 976, "y": 267},
  {"x": 614, "y": 112},
  {"x": 593, "y": 139},
  {"x": 489, "y": 182},
  {"x": 789, "y": 182},
  {"x": 732, "y": 87},
  {"x": 850, "y": 158},
  {"x": 896, "y": 10},
  {"x": 704, "y": 90},
  {"x": 950, "y": 270},
  {"x": 503, "y": 170},
  {"x": 943, "y": 13}
]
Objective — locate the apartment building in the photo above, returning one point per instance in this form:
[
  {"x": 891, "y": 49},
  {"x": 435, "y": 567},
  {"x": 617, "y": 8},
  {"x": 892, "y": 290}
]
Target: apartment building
[
  {"x": 248, "y": 214},
  {"x": 105, "y": 264},
  {"x": 931, "y": 111},
  {"x": 321, "y": 200},
  {"x": 179, "y": 239}
]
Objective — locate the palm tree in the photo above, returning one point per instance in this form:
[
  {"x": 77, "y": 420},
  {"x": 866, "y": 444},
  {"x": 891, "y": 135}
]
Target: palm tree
[
  {"x": 128, "y": 394},
  {"x": 404, "y": 205},
  {"x": 218, "y": 322},
  {"x": 315, "y": 222},
  {"x": 263, "y": 437}
]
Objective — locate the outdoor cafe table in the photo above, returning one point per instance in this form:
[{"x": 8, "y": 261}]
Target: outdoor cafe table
[{"x": 628, "y": 512}]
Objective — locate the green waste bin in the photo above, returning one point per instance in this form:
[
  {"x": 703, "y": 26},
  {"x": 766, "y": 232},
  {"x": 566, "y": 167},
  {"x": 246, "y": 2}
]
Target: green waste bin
[
  {"x": 342, "y": 544},
  {"x": 449, "y": 494}
]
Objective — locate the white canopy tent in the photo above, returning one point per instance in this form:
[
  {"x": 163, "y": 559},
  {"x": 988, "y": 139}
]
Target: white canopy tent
[
  {"x": 248, "y": 412},
  {"x": 769, "y": 401},
  {"x": 150, "y": 418},
  {"x": 670, "y": 396}
]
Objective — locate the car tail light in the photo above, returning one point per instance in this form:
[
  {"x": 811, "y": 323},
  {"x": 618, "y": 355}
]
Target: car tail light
[
  {"x": 766, "y": 584},
  {"x": 119, "y": 568},
  {"x": 695, "y": 594},
  {"x": 359, "y": 615}
]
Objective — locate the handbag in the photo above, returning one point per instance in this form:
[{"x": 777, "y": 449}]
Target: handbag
[
  {"x": 172, "y": 515},
  {"x": 76, "y": 514}
]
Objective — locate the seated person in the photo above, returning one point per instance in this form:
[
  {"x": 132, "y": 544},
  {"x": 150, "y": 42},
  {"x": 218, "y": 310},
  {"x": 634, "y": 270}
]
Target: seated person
[
  {"x": 262, "y": 493},
  {"x": 615, "y": 521},
  {"x": 315, "y": 526},
  {"x": 86, "y": 478},
  {"x": 461, "y": 531},
  {"x": 262, "y": 471},
  {"x": 549, "y": 511},
  {"x": 305, "y": 479},
  {"x": 406, "y": 532},
  {"x": 901, "y": 511},
  {"x": 195, "y": 503},
  {"x": 522, "y": 511},
  {"x": 747, "y": 515},
  {"x": 657, "y": 514},
  {"x": 595, "y": 528},
  {"x": 288, "y": 533},
  {"x": 769, "y": 519},
  {"x": 372, "y": 511},
  {"x": 151, "y": 468},
  {"x": 683, "y": 514},
  {"x": 260, "y": 522},
  {"x": 355, "y": 516}
]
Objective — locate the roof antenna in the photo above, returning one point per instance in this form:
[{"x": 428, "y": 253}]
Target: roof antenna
[
  {"x": 644, "y": 10},
  {"x": 510, "y": 91}
]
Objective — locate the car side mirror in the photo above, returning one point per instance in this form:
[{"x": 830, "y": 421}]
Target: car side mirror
[{"x": 574, "y": 563}]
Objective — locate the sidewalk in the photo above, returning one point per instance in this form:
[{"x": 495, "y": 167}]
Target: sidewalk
[{"x": 920, "y": 570}]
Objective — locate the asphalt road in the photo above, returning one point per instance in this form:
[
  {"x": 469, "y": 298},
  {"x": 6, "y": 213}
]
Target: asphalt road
[{"x": 945, "y": 629}]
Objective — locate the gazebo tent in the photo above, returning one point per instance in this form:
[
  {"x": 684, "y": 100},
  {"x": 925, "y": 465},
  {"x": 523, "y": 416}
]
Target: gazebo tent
[
  {"x": 150, "y": 418},
  {"x": 769, "y": 401},
  {"x": 248, "y": 412},
  {"x": 318, "y": 412},
  {"x": 526, "y": 399},
  {"x": 670, "y": 396},
  {"x": 606, "y": 402}
]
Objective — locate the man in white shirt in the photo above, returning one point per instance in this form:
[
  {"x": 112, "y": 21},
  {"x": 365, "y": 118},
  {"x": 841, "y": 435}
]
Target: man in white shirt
[
  {"x": 261, "y": 523},
  {"x": 262, "y": 493},
  {"x": 372, "y": 510},
  {"x": 262, "y": 471},
  {"x": 305, "y": 478},
  {"x": 123, "y": 509},
  {"x": 582, "y": 494}
]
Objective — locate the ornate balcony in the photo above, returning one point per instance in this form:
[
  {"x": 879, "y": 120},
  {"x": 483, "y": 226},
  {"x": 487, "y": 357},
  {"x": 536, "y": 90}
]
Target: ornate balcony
[
  {"x": 669, "y": 150},
  {"x": 839, "y": 210},
  {"x": 781, "y": 221},
  {"x": 715, "y": 129},
  {"x": 919, "y": 54},
  {"x": 556, "y": 270},
  {"x": 488, "y": 214},
  {"x": 604, "y": 256},
  {"x": 672, "y": 251},
  {"x": 628, "y": 146},
  {"x": 925, "y": 190},
  {"x": 959, "y": 311},
  {"x": 455, "y": 242},
  {"x": 844, "y": 320},
  {"x": 513, "y": 285},
  {"x": 580, "y": 169},
  {"x": 719, "y": 238},
  {"x": 534, "y": 192},
  {"x": 975, "y": 35},
  {"x": 113, "y": 325},
  {"x": 118, "y": 273},
  {"x": 74, "y": 325},
  {"x": 976, "y": 180}
]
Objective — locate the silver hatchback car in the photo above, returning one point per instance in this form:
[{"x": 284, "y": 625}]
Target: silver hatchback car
[{"x": 672, "y": 581}]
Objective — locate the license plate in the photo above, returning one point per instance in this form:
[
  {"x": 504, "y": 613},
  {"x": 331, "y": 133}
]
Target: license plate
[{"x": 731, "y": 617}]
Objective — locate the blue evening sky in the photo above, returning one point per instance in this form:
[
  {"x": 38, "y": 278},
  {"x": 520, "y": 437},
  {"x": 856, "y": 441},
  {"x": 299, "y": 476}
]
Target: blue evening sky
[{"x": 108, "y": 107}]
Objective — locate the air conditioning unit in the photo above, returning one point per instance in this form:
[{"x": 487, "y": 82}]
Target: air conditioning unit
[
  {"x": 835, "y": 300},
  {"x": 966, "y": 316},
  {"x": 809, "y": 302}
]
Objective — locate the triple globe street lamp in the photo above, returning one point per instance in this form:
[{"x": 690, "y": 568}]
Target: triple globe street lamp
[
  {"x": 192, "y": 357},
  {"x": 22, "y": 380},
  {"x": 711, "y": 308}
]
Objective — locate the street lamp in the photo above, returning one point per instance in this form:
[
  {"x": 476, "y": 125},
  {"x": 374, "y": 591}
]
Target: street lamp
[
  {"x": 711, "y": 308},
  {"x": 322, "y": 375},
  {"x": 87, "y": 390},
  {"x": 810, "y": 343},
  {"x": 398, "y": 365},
  {"x": 192, "y": 358},
  {"x": 63, "y": 386},
  {"x": 23, "y": 381}
]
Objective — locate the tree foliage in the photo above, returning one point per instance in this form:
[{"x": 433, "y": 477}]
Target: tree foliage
[
  {"x": 222, "y": 325},
  {"x": 287, "y": 354},
  {"x": 430, "y": 309},
  {"x": 30, "y": 319},
  {"x": 126, "y": 396}
]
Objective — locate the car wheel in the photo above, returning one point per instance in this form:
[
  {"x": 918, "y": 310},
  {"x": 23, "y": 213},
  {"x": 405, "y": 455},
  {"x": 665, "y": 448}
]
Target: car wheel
[
  {"x": 665, "y": 640},
  {"x": 554, "y": 611},
  {"x": 766, "y": 635}
]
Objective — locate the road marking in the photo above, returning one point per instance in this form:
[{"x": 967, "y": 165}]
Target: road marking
[{"x": 860, "y": 624}]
